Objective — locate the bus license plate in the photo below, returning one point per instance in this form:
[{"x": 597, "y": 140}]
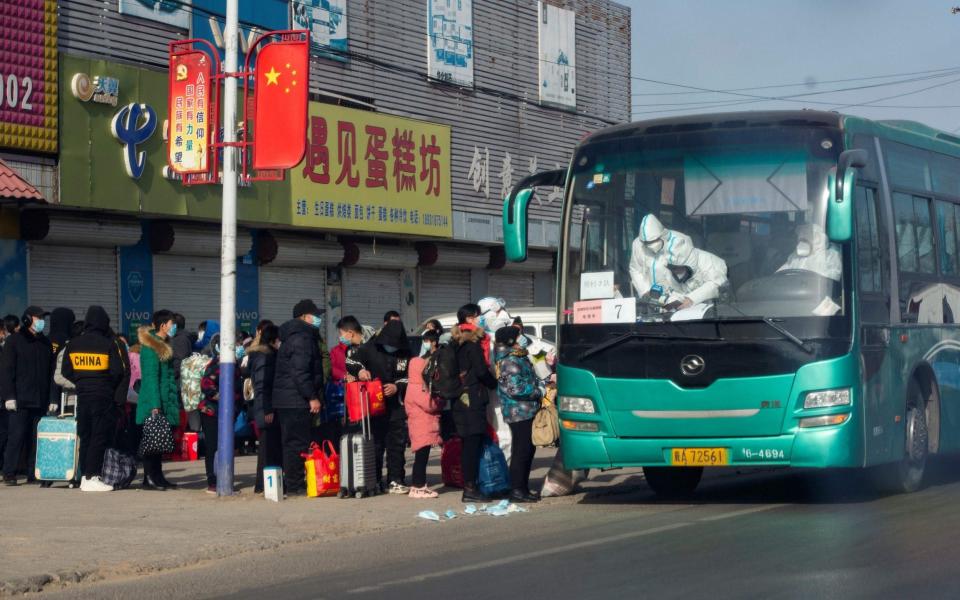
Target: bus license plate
[{"x": 699, "y": 457}]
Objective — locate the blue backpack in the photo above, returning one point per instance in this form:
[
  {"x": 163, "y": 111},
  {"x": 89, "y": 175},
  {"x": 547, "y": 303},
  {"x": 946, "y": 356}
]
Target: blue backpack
[{"x": 493, "y": 478}]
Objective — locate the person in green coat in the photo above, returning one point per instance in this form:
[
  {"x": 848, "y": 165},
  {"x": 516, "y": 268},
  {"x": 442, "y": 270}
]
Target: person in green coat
[{"x": 158, "y": 388}]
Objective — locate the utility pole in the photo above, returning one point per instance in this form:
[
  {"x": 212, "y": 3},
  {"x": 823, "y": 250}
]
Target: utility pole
[{"x": 228, "y": 259}]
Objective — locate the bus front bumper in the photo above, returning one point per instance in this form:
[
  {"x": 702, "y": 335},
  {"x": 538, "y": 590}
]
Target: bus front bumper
[{"x": 810, "y": 448}]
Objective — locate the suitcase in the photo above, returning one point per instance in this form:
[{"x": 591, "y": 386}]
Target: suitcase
[
  {"x": 358, "y": 458},
  {"x": 58, "y": 448},
  {"x": 451, "y": 469}
]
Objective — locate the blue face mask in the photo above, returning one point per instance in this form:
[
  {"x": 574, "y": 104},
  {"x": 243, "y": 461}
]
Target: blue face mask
[
  {"x": 241, "y": 352},
  {"x": 424, "y": 350},
  {"x": 482, "y": 323},
  {"x": 38, "y": 325},
  {"x": 523, "y": 341},
  {"x": 345, "y": 341},
  {"x": 173, "y": 330},
  {"x": 316, "y": 321},
  {"x": 390, "y": 349}
]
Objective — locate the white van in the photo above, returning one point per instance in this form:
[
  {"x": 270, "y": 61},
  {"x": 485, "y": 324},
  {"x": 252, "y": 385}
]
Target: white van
[{"x": 538, "y": 321}]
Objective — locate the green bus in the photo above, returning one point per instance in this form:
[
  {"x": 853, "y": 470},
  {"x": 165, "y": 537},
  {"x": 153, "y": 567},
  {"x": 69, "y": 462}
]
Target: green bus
[{"x": 774, "y": 289}]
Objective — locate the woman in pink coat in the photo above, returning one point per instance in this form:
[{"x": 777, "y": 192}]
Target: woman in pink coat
[{"x": 423, "y": 418}]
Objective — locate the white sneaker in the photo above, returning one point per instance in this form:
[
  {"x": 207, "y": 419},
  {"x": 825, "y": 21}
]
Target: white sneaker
[
  {"x": 397, "y": 488},
  {"x": 94, "y": 484}
]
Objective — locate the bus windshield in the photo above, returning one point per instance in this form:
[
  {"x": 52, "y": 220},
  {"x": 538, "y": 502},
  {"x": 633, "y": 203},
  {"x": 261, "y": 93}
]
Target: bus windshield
[{"x": 705, "y": 225}]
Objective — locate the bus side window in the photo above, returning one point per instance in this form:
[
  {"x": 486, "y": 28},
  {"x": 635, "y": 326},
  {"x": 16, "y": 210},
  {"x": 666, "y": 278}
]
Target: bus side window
[{"x": 872, "y": 258}]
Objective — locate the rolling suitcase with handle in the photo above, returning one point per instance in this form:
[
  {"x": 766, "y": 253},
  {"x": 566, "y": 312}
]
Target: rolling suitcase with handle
[
  {"x": 57, "y": 446},
  {"x": 358, "y": 458}
]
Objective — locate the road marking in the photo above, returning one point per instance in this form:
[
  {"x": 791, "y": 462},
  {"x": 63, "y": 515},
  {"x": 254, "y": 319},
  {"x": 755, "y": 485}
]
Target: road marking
[
  {"x": 557, "y": 550},
  {"x": 739, "y": 513},
  {"x": 518, "y": 557}
]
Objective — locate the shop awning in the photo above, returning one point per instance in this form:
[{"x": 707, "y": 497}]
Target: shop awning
[{"x": 14, "y": 188}]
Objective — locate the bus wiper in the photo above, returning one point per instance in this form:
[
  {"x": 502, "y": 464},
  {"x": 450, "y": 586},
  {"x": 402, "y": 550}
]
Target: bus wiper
[
  {"x": 786, "y": 333},
  {"x": 630, "y": 335}
]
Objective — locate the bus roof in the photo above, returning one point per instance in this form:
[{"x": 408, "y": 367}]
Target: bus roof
[{"x": 908, "y": 132}]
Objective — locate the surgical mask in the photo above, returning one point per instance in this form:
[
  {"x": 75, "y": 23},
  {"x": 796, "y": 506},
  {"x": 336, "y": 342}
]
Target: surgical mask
[
  {"x": 655, "y": 246},
  {"x": 523, "y": 341},
  {"x": 173, "y": 330},
  {"x": 804, "y": 248},
  {"x": 316, "y": 321},
  {"x": 424, "y": 350},
  {"x": 38, "y": 325},
  {"x": 482, "y": 322},
  {"x": 390, "y": 349},
  {"x": 241, "y": 352},
  {"x": 345, "y": 341}
]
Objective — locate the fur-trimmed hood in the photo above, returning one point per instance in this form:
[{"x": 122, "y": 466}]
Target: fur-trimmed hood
[
  {"x": 468, "y": 334},
  {"x": 261, "y": 348},
  {"x": 150, "y": 339}
]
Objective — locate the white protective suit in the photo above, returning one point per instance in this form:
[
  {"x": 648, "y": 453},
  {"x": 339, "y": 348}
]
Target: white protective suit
[
  {"x": 494, "y": 315},
  {"x": 656, "y": 247},
  {"x": 815, "y": 253}
]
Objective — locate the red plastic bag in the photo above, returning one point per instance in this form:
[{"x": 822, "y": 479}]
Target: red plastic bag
[
  {"x": 323, "y": 470},
  {"x": 357, "y": 391},
  {"x": 451, "y": 469}
]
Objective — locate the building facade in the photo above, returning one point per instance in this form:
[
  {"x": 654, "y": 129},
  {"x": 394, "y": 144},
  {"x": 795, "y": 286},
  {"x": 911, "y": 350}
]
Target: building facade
[{"x": 423, "y": 114}]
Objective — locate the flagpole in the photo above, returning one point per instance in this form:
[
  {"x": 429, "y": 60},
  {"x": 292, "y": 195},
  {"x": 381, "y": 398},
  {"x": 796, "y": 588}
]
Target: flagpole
[{"x": 228, "y": 260}]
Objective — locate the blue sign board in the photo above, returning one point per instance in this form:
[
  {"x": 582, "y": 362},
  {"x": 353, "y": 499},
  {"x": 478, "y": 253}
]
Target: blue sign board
[
  {"x": 262, "y": 15},
  {"x": 136, "y": 285},
  {"x": 248, "y": 293},
  {"x": 13, "y": 277}
]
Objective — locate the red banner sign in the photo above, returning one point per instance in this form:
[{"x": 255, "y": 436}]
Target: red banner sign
[
  {"x": 280, "y": 104},
  {"x": 193, "y": 112}
]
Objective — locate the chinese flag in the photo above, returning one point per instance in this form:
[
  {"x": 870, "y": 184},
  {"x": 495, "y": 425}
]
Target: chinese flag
[{"x": 280, "y": 104}]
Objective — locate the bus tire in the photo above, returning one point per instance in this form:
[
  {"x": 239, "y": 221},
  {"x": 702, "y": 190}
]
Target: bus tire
[
  {"x": 906, "y": 475},
  {"x": 673, "y": 482}
]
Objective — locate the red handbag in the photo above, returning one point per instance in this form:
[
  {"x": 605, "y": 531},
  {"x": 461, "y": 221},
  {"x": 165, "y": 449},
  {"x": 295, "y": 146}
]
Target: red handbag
[
  {"x": 322, "y": 467},
  {"x": 365, "y": 398}
]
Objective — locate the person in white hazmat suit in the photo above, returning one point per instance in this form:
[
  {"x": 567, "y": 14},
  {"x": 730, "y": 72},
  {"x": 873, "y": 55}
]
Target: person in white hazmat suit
[
  {"x": 666, "y": 268},
  {"x": 815, "y": 253},
  {"x": 493, "y": 316}
]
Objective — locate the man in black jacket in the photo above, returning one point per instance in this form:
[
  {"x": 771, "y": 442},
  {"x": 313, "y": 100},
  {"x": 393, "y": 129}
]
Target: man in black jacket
[
  {"x": 94, "y": 362},
  {"x": 25, "y": 378},
  {"x": 298, "y": 389},
  {"x": 386, "y": 357},
  {"x": 8, "y": 327}
]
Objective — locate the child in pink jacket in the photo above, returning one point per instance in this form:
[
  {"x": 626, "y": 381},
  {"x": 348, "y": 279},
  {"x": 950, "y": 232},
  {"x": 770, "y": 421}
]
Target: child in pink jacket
[{"x": 423, "y": 418}]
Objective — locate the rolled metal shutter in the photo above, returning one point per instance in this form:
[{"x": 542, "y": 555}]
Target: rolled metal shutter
[
  {"x": 282, "y": 287},
  {"x": 189, "y": 285},
  {"x": 516, "y": 287},
  {"x": 74, "y": 277},
  {"x": 443, "y": 291},
  {"x": 368, "y": 293}
]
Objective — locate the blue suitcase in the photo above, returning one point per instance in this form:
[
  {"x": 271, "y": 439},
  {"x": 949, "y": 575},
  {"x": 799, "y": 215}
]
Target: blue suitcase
[{"x": 57, "y": 447}]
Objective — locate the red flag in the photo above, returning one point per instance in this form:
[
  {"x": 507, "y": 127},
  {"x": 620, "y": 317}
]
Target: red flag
[{"x": 280, "y": 105}]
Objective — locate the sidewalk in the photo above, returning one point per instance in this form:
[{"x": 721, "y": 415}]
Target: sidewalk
[{"x": 57, "y": 535}]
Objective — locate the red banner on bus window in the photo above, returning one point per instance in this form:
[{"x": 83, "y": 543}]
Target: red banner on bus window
[
  {"x": 280, "y": 104},
  {"x": 192, "y": 112}
]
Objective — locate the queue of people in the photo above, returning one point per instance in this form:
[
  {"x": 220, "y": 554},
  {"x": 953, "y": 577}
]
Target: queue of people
[{"x": 474, "y": 382}]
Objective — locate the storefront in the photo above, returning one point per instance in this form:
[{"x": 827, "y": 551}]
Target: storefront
[
  {"x": 186, "y": 269},
  {"x": 378, "y": 278},
  {"x": 293, "y": 268},
  {"x": 446, "y": 276},
  {"x": 72, "y": 260}
]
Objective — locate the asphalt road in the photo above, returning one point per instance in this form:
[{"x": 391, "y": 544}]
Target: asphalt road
[{"x": 767, "y": 535}]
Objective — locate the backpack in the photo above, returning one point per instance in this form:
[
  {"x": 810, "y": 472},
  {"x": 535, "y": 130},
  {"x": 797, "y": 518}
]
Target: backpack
[
  {"x": 442, "y": 373},
  {"x": 191, "y": 374}
]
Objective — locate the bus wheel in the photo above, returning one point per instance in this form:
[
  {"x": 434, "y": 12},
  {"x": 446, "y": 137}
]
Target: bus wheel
[
  {"x": 906, "y": 476},
  {"x": 673, "y": 482}
]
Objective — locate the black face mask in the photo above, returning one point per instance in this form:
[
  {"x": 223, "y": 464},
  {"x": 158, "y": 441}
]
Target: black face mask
[{"x": 682, "y": 273}]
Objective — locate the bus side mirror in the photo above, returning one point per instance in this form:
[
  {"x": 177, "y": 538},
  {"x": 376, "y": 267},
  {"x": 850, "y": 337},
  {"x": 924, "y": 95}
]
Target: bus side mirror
[
  {"x": 515, "y": 212},
  {"x": 841, "y": 187}
]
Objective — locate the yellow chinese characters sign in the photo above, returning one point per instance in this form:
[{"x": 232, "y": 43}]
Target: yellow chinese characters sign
[{"x": 366, "y": 171}]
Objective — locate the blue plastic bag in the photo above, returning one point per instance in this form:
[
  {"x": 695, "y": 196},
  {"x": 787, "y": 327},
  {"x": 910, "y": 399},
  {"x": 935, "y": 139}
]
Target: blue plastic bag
[
  {"x": 241, "y": 426},
  {"x": 493, "y": 478},
  {"x": 333, "y": 408}
]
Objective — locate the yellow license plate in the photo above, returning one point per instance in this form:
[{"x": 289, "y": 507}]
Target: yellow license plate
[{"x": 699, "y": 457}]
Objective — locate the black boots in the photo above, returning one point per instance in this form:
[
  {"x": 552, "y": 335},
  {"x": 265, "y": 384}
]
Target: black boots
[
  {"x": 472, "y": 494},
  {"x": 523, "y": 497}
]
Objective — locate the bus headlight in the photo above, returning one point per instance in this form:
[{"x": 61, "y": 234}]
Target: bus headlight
[
  {"x": 576, "y": 404},
  {"x": 827, "y": 398}
]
